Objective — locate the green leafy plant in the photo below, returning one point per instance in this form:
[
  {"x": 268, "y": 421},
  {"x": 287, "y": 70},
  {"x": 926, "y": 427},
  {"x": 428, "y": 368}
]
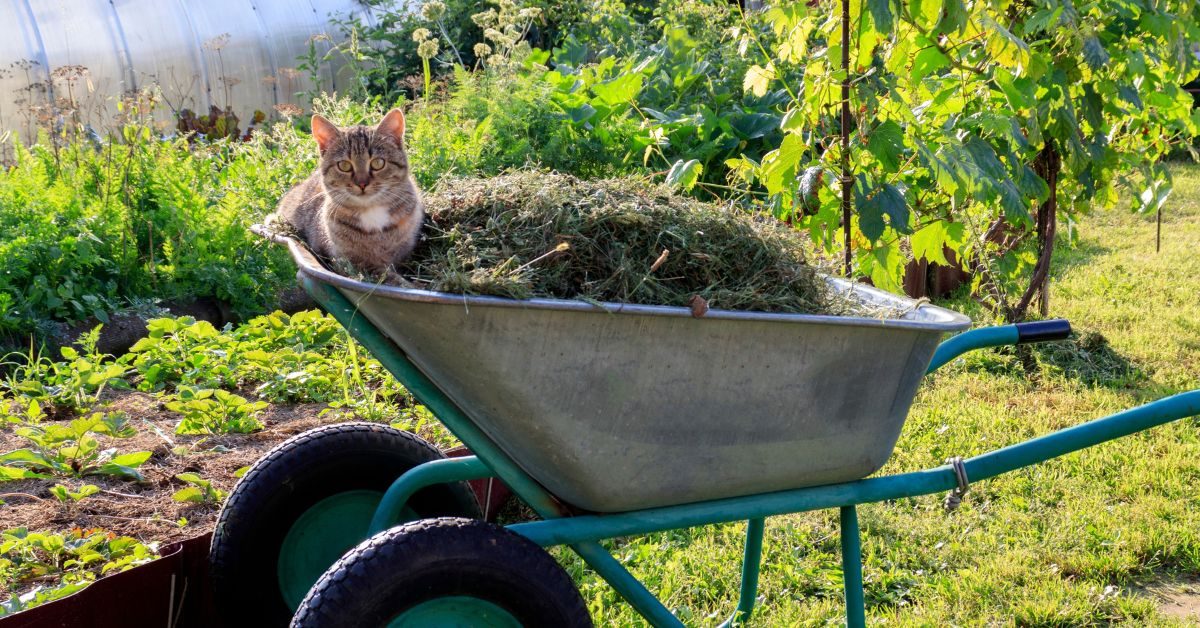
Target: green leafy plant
[
  {"x": 294, "y": 358},
  {"x": 298, "y": 357},
  {"x": 72, "y": 450},
  {"x": 201, "y": 490},
  {"x": 181, "y": 351},
  {"x": 384, "y": 52},
  {"x": 70, "y": 560},
  {"x": 69, "y": 385},
  {"x": 94, "y": 227},
  {"x": 209, "y": 411},
  {"x": 66, "y": 496}
]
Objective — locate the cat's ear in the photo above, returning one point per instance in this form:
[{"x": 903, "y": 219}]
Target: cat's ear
[
  {"x": 324, "y": 132},
  {"x": 393, "y": 125}
]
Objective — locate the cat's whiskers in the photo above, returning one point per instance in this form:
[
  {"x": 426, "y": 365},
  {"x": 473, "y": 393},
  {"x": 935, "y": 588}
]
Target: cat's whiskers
[{"x": 393, "y": 197}]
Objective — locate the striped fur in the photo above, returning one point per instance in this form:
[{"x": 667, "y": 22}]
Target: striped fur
[{"x": 369, "y": 216}]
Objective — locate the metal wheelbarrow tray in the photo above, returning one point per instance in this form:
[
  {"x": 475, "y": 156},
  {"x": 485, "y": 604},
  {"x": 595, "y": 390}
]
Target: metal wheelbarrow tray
[{"x": 616, "y": 407}]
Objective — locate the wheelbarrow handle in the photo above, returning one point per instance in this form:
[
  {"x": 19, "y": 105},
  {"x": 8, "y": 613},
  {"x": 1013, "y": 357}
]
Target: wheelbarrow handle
[
  {"x": 1043, "y": 331},
  {"x": 999, "y": 336}
]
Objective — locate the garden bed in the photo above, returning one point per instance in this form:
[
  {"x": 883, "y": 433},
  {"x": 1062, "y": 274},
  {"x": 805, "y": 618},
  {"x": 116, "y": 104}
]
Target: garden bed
[
  {"x": 106, "y": 461},
  {"x": 146, "y": 510}
]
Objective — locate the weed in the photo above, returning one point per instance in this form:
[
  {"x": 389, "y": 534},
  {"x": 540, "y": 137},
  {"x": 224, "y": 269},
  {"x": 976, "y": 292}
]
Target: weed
[{"x": 92, "y": 228}]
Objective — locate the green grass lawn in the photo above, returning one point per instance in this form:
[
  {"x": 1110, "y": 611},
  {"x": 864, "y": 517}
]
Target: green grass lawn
[{"x": 1075, "y": 541}]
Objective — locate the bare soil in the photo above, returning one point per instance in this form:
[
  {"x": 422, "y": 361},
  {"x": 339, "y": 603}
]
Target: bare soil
[
  {"x": 1179, "y": 600},
  {"x": 146, "y": 510}
]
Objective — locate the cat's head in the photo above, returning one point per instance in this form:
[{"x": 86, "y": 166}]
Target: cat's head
[{"x": 363, "y": 166}]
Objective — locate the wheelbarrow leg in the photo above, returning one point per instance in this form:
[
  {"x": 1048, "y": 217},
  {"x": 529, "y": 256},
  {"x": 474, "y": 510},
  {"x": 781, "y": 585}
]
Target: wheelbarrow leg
[
  {"x": 626, "y": 585},
  {"x": 852, "y": 568},
  {"x": 750, "y": 565}
]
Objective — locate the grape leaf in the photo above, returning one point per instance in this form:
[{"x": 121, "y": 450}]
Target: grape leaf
[
  {"x": 954, "y": 17},
  {"x": 886, "y": 143},
  {"x": 887, "y": 201},
  {"x": 1018, "y": 91},
  {"x": 1094, "y": 53},
  {"x": 925, "y": 13},
  {"x": 881, "y": 15},
  {"x": 929, "y": 241},
  {"x": 758, "y": 79},
  {"x": 927, "y": 62}
]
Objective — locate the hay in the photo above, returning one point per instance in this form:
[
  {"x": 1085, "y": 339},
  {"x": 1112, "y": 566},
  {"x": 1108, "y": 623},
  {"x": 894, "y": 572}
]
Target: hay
[{"x": 534, "y": 234}]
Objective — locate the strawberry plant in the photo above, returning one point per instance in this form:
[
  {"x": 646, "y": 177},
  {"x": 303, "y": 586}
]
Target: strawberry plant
[
  {"x": 209, "y": 411},
  {"x": 66, "y": 496},
  {"x": 70, "y": 561},
  {"x": 72, "y": 450},
  {"x": 292, "y": 358},
  {"x": 182, "y": 350},
  {"x": 309, "y": 330},
  {"x": 201, "y": 490},
  {"x": 69, "y": 385}
]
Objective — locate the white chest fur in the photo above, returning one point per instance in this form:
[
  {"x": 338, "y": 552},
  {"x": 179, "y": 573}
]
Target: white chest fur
[{"x": 375, "y": 219}]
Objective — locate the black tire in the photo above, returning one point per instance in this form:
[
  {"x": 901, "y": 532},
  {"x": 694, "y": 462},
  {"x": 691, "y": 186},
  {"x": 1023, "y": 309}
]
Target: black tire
[
  {"x": 289, "y": 481},
  {"x": 396, "y": 570}
]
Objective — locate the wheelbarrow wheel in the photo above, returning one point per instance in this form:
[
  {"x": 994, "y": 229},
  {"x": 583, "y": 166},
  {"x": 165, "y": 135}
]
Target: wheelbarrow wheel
[
  {"x": 444, "y": 572},
  {"x": 303, "y": 505}
]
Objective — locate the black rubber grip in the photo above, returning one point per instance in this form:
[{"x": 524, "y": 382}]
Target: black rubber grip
[{"x": 1043, "y": 331}]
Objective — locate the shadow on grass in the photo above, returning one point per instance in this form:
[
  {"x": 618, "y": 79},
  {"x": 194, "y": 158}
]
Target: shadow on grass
[
  {"x": 1086, "y": 357},
  {"x": 1084, "y": 252}
]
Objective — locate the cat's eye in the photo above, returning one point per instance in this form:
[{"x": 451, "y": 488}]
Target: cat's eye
[
  {"x": 345, "y": 166},
  {"x": 377, "y": 164}
]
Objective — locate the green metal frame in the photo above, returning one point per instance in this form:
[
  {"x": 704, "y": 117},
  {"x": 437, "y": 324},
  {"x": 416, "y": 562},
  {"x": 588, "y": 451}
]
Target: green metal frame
[{"x": 584, "y": 533}]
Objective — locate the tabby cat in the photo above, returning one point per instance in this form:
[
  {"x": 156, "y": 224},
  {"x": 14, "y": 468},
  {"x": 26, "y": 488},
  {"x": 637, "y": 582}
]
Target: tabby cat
[{"x": 361, "y": 204}]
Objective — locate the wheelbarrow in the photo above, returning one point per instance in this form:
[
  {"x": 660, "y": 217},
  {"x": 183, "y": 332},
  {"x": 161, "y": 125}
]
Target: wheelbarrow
[{"x": 607, "y": 420}]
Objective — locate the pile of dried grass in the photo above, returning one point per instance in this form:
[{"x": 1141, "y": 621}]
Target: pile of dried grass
[{"x": 535, "y": 234}]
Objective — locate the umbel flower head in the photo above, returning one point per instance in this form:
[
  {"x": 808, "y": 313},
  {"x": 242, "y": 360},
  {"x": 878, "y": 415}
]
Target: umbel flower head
[
  {"x": 421, "y": 34},
  {"x": 433, "y": 10},
  {"x": 428, "y": 49},
  {"x": 485, "y": 19}
]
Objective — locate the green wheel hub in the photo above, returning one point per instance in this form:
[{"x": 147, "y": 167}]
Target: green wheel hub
[
  {"x": 321, "y": 535},
  {"x": 458, "y": 611}
]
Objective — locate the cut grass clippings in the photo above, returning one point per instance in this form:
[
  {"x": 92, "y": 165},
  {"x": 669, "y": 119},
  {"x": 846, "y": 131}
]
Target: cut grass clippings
[{"x": 532, "y": 234}]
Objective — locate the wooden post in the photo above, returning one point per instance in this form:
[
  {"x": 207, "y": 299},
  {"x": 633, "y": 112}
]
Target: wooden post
[{"x": 847, "y": 179}]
